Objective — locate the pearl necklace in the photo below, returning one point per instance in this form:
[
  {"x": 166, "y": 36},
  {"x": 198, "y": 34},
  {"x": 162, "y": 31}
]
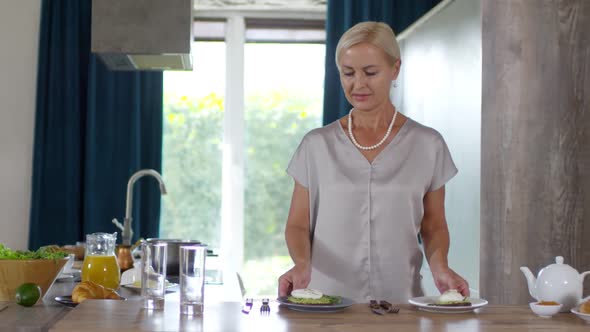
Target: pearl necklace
[{"x": 372, "y": 146}]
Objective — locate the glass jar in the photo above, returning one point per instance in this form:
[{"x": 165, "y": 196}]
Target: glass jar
[{"x": 100, "y": 263}]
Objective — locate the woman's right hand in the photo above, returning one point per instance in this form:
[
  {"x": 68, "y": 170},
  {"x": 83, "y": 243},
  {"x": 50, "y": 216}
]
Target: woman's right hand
[{"x": 297, "y": 277}]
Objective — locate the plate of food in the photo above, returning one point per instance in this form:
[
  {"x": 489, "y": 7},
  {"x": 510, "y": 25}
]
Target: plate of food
[
  {"x": 136, "y": 286},
  {"x": 66, "y": 300},
  {"x": 311, "y": 300},
  {"x": 450, "y": 301},
  {"x": 582, "y": 311},
  {"x": 88, "y": 290}
]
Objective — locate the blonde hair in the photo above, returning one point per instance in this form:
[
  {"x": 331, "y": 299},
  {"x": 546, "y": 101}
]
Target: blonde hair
[{"x": 378, "y": 34}]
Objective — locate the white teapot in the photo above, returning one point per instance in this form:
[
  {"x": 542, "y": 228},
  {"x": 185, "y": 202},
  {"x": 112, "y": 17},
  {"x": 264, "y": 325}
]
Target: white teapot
[{"x": 557, "y": 282}]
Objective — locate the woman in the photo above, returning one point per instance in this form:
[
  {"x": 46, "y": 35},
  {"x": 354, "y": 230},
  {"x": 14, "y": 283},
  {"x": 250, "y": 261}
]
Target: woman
[{"x": 367, "y": 185}]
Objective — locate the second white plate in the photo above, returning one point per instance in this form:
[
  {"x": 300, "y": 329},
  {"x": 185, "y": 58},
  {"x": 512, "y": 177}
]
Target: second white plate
[
  {"x": 427, "y": 303},
  {"x": 585, "y": 317}
]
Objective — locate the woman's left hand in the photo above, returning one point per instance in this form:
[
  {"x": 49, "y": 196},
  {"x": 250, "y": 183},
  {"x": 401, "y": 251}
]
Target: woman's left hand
[{"x": 446, "y": 279}]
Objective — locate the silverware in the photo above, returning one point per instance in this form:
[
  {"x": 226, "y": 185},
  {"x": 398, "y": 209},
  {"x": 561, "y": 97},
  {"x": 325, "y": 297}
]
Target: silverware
[
  {"x": 376, "y": 308},
  {"x": 382, "y": 307},
  {"x": 247, "y": 306},
  {"x": 388, "y": 307},
  {"x": 265, "y": 308}
]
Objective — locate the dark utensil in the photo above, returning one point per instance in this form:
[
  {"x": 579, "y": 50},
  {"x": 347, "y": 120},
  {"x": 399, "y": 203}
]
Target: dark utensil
[
  {"x": 247, "y": 306},
  {"x": 388, "y": 307},
  {"x": 376, "y": 308},
  {"x": 265, "y": 308}
]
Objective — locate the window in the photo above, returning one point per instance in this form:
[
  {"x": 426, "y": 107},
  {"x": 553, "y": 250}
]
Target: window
[
  {"x": 231, "y": 126},
  {"x": 192, "y": 156}
]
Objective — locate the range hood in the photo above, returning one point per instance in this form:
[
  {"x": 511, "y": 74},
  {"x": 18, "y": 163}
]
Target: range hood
[{"x": 143, "y": 34}]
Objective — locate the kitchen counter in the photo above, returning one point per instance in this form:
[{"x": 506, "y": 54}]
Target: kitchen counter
[
  {"x": 42, "y": 316},
  {"x": 39, "y": 317},
  {"x": 223, "y": 315}
]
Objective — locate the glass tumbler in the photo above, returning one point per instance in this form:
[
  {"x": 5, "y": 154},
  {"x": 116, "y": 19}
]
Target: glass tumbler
[
  {"x": 153, "y": 274},
  {"x": 192, "y": 279}
]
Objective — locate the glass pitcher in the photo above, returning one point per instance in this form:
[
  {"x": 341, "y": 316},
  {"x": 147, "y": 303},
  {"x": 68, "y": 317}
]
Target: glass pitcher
[{"x": 100, "y": 263}]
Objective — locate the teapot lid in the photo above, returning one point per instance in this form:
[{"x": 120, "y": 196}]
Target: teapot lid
[{"x": 559, "y": 267}]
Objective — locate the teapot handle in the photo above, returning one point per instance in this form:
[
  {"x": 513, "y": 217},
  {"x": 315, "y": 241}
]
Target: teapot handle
[{"x": 587, "y": 298}]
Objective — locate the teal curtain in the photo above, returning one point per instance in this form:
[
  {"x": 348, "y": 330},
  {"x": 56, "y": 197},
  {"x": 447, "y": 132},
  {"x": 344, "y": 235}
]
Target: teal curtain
[
  {"x": 342, "y": 15},
  {"x": 93, "y": 129}
]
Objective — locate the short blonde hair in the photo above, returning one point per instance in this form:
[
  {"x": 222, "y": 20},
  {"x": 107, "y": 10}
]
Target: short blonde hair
[{"x": 378, "y": 34}]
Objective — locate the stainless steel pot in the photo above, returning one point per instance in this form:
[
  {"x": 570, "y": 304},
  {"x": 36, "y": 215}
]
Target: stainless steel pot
[{"x": 172, "y": 253}]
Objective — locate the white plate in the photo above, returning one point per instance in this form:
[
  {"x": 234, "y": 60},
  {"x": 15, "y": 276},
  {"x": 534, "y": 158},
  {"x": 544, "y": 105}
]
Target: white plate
[
  {"x": 585, "y": 317},
  {"x": 345, "y": 303},
  {"x": 427, "y": 303},
  {"x": 135, "y": 288}
]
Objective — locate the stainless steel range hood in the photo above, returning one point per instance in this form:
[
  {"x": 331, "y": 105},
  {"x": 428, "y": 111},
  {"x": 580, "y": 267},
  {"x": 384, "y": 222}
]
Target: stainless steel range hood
[{"x": 143, "y": 34}]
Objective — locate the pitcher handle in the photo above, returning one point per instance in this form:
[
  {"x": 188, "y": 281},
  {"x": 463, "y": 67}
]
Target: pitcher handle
[{"x": 587, "y": 298}]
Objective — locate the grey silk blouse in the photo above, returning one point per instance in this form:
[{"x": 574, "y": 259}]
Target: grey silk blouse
[{"x": 365, "y": 217}]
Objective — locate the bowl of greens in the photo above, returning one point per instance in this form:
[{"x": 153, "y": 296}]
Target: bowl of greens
[{"x": 18, "y": 267}]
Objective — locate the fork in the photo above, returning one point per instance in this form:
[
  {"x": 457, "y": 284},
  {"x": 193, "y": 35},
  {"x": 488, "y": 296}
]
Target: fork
[
  {"x": 247, "y": 306},
  {"x": 265, "y": 308}
]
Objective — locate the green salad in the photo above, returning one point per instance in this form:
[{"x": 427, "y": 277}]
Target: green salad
[
  {"x": 49, "y": 252},
  {"x": 325, "y": 299}
]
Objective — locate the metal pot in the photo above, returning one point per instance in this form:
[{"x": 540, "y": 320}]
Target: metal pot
[{"x": 172, "y": 260}]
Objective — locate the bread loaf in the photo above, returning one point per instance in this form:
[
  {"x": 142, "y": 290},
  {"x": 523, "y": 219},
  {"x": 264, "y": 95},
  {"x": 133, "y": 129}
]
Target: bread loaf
[
  {"x": 90, "y": 290},
  {"x": 585, "y": 307}
]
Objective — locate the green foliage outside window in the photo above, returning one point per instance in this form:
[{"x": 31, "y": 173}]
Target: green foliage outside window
[
  {"x": 192, "y": 168},
  {"x": 275, "y": 123}
]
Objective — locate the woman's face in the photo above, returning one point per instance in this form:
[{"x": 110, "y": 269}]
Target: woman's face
[{"x": 366, "y": 76}]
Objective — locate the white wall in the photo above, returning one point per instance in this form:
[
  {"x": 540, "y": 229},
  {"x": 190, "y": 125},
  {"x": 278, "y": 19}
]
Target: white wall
[
  {"x": 19, "y": 35},
  {"x": 440, "y": 87}
]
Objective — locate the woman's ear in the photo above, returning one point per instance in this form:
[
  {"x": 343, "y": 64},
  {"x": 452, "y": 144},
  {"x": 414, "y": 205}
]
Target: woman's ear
[{"x": 396, "y": 68}]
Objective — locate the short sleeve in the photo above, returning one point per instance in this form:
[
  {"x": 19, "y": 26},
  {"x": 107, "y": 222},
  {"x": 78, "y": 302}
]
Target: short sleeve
[
  {"x": 298, "y": 167},
  {"x": 444, "y": 167}
]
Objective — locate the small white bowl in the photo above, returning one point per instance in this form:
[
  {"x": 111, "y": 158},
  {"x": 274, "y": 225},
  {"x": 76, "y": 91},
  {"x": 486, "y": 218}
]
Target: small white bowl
[
  {"x": 543, "y": 310},
  {"x": 585, "y": 317}
]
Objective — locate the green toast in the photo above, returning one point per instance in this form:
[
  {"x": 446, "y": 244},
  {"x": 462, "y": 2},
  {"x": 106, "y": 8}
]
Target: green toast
[
  {"x": 464, "y": 303},
  {"x": 325, "y": 300}
]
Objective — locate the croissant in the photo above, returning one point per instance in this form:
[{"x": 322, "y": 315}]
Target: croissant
[
  {"x": 585, "y": 307},
  {"x": 90, "y": 290}
]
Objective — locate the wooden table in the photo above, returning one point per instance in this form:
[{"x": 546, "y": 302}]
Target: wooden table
[
  {"x": 42, "y": 316},
  {"x": 104, "y": 316},
  {"x": 39, "y": 317}
]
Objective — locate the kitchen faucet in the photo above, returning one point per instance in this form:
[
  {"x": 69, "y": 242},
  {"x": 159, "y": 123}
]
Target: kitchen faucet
[{"x": 126, "y": 227}]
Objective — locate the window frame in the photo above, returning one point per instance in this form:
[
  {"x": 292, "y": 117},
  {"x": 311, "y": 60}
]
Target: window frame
[{"x": 233, "y": 162}]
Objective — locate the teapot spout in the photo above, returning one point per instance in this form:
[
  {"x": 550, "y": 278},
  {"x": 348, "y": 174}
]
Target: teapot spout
[{"x": 531, "y": 280}]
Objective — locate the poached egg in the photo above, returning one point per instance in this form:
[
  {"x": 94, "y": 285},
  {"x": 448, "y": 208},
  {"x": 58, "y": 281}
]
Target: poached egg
[
  {"x": 452, "y": 295},
  {"x": 307, "y": 293}
]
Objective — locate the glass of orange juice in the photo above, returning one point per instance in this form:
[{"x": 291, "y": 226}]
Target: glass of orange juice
[{"x": 100, "y": 263}]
